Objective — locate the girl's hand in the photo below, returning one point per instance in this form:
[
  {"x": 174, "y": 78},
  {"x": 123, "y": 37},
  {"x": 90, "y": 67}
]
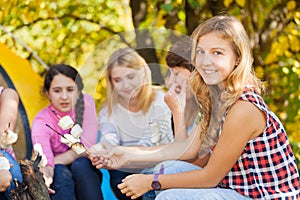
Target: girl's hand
[
  {"x": 136, "y": 185},
  {"x": 175, "y": 98},
  {"x": 104, "y": 155},
  {"x": 97, "y": 161},
  {"x": 100, "y": 150},
  {"x": 48, "y": 177},
  {"x": 5, "y": 180}
]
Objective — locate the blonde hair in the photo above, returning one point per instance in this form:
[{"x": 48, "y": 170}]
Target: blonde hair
[
  {"x": 128, "y": 57},
  {"x": 231, "y": 29}
]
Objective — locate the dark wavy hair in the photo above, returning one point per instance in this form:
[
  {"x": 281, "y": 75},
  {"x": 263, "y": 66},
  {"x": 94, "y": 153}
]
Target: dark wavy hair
[
  {"x": 179, "y": 54},
  {"x": 72, "y": 73}
]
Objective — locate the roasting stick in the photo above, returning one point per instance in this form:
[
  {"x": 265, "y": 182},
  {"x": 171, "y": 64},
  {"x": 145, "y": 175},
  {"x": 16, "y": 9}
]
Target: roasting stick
[
  {"x": 59, "y": 117},
  {"x": 87, "y": 151}
]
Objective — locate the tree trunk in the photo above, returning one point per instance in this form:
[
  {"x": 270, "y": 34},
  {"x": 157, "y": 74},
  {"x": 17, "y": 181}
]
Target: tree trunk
[{"x": 144, "y": 41}]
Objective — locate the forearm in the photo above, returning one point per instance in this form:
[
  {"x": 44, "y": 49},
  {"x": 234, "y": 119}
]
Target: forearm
[
  {"x": 201, "y": 162},
  {"x": 180, "y": 132},
  {"x": 9, "y": 109},
  {"x": 66, "y": 158},
  {"x": 184, "y": 150}
]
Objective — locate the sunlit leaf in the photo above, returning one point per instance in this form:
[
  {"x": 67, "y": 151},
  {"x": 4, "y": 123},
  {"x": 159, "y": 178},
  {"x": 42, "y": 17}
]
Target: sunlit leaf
[
  {"x": 240, "y": 2},
  {"x": 227, "y": 2},
  {"x": 291, "y": 5}
]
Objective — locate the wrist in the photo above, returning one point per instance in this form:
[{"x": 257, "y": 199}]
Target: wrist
[
  {"x": 156, "y": 185},
  {"x": 149, "y": 181}
]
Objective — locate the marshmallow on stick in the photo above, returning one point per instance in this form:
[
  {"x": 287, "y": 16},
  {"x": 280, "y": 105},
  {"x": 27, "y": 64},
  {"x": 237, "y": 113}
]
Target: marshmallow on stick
[
  {"x": 78, "y": 148},
  {"x": 4, "y": 163},
  {"x": 66, "y": 122},
  {"x": 8, "y": 138},
  {"x": 37, "y": 148},
  {"x": 69, "y": 139},
  {"x": 76, "y": 131}
]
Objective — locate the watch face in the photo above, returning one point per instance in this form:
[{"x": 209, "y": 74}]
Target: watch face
[{"x": 156, "y": 185}]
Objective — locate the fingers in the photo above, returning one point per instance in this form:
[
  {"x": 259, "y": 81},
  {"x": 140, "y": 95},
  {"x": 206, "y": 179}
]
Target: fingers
[
  {"x": 128, "y": 192},
  {"x": 98, "y": 162},
  {"x": 51, "y": 191}
]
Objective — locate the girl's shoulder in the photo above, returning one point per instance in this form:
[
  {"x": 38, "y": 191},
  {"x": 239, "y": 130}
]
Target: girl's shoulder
[
  {"x": 87, "y": 97},
  {"x": 44, "y": 116},
  {"x": 251, "y": 94},
  {"x": 45, "y": 112}
]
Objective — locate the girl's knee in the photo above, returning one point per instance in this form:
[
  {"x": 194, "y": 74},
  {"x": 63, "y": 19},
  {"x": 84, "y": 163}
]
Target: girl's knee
[
  {"x": 166, "y": 195},
  {"x": 62, "y": 172},
  {"x": 80, "y": 165}
]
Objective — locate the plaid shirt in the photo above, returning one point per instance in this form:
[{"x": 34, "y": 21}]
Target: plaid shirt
[{"x": 266, "y": 169}]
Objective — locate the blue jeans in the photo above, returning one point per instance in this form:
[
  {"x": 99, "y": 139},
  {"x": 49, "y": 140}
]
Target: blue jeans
[
  {"x": 173, "y": 167},
  {"x": 15, "y": 171},
  {"x": 79, "y": 180},
  {"x": 116, "y": 177}
]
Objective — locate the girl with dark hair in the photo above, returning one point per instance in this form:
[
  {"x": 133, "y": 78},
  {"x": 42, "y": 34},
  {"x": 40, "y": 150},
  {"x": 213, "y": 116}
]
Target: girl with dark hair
[{"x": 69, "y": 175}]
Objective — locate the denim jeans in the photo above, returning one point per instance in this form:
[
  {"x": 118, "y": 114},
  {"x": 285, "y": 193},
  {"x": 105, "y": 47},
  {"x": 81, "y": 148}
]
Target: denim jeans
[
  {"x": 80, "y": 180},
  {"x": 173, "y": 167},
  {"x": 15, "y": 171},
  {"x": 116, "y": 177}
]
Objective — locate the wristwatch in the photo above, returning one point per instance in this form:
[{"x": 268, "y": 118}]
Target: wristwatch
[{"x": 155, "y": 183}]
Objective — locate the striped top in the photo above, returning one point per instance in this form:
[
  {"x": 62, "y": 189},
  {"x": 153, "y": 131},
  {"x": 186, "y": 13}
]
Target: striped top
[{"x": 267, "y": 168}]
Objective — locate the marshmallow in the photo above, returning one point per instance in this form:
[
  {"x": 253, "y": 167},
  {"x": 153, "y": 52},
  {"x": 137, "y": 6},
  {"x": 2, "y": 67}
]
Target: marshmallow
[
  {"x": 39, "y": 150},
  {"x": 69, "y": 139},
  {"x": 8, "y": 138},
  {"x": 4, "y": 163},
  {"x": 66, "y": 122},
  {"x": 78, "y": 148},
  {"x": 76, "y": 131}
]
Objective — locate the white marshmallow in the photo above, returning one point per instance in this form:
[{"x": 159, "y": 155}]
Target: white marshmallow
[
  {"x": 66, "y": 122},
  {"x": 39, "y": 150},
  {"x": 8, "y": 138},
  {"x": 78, "y": 148},
  {"x": 69, "y": 139},
  {"x": 76, "y": 131}
]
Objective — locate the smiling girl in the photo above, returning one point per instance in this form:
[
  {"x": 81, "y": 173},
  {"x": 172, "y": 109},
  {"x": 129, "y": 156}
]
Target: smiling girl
[
  {"x": 135, "y": 113},
  {"x": 69, "y": 175},
  {"x": 252, "y": 158}
]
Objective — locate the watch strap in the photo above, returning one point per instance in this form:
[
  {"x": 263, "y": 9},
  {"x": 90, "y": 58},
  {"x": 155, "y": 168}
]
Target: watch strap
[{"x": 161, "y": 171}]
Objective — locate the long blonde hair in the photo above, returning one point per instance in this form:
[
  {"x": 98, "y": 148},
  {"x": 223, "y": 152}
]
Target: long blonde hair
[
  {"x": 128, "y": 57},
  {"x": 231, "y": 29}
]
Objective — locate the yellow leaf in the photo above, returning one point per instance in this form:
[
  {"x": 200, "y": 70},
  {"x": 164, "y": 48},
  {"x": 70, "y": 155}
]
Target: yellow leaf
[
  {"x": 291, "y": 5},
  {"x": 272, "y": 57},
  {"x": 241, "y": 3},
  {"x": 227, "y": 3},
  {"x": 294, "y": 43}
]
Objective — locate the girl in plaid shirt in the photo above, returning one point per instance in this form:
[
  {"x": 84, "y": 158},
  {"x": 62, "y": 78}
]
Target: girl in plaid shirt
[{"x": 252, "y": 158}]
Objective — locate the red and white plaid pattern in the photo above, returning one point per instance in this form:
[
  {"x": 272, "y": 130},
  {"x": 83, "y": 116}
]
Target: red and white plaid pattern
[{"x": 267, "y": 167}]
